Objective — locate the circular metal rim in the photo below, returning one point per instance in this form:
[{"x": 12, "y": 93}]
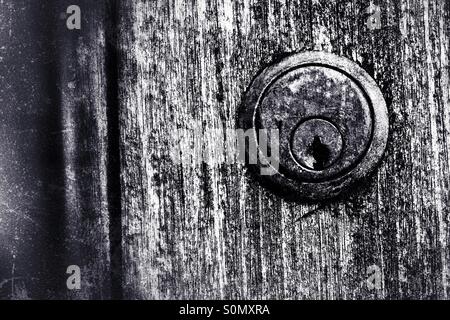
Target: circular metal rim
[{"x": 331, "y": 188}]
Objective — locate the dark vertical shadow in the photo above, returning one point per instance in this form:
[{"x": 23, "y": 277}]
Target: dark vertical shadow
[
  {"x": 53, "y": 165},
  {"x": 113, "y": 163},
  {"x": 50, "y": 159},
  {"x": 47, "y": 119}
]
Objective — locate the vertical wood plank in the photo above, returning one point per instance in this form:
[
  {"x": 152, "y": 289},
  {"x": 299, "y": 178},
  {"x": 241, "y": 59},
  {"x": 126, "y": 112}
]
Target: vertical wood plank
[{"x": 202, "y": 230}]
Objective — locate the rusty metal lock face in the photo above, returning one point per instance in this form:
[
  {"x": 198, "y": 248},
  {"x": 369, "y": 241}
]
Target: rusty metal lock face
[{"x": 331, "y": 118}]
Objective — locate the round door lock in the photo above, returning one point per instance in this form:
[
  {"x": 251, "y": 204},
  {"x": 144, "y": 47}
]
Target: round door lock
[{"x": 326, "y": 120}]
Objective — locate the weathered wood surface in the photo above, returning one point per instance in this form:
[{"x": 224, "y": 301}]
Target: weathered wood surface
[
  {"x": 72, "y": 102},
  {"x": 211, "y": 231}
]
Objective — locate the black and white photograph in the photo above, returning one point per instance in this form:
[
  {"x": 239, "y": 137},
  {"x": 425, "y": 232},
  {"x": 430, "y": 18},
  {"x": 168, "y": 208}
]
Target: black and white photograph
[{"x": 224, "y": 150}]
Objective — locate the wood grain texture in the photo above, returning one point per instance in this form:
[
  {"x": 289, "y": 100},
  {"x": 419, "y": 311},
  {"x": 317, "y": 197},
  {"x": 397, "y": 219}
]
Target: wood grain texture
[
  {"x": 210, "y": 231},
  {"x": 71, "y": 100}
]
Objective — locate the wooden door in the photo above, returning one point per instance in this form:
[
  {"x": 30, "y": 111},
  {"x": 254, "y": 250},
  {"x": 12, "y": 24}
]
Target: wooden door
[
  {"x": 211, "y": 231},
  {"x": 143, "y": 227}
]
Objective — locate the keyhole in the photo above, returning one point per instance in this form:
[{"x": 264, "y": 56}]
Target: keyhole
[
  {"x": 320, "y": 152},
  {"x": 316, "y": 144}
]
